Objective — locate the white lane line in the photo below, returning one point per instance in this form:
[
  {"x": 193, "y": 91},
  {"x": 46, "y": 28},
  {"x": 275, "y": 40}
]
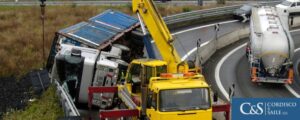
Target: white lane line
[
  {"x": 296, "y": 50},
  {"x": 291, "y": 90},
  {"x": 220, "y": 63},
  {"x": 193, "y": 50},
  {"x": 217, "y": 71},
  {"x": 288, "y": 87}
]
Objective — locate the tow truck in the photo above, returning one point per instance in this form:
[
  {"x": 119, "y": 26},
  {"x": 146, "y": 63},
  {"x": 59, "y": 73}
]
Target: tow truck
[
  {"x": 152, "y": 89},
  {"x": 161, "y": 89}
]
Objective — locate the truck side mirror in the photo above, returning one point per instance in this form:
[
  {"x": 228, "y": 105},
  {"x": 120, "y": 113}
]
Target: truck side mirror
[{"x": 215, "y": 97}]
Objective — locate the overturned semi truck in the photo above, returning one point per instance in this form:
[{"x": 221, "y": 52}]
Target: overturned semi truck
[{"x": 95, "y": 53}]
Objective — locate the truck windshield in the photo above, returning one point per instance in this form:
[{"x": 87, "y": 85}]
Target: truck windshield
[
  {"x": 286, "y": 3},
  {"x": 161, "y": 69},
  {"x": 184, "y": 99}
]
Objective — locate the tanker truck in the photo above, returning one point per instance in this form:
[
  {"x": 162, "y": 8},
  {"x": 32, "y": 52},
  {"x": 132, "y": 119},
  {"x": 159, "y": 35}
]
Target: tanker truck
[{"x": 270, "y": 49}]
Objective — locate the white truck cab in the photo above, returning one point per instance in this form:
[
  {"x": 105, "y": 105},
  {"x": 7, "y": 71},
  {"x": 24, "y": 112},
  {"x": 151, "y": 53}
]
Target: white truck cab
[
  {"x": 78, "y": 68},
  {"x": 291, "y": 6}
]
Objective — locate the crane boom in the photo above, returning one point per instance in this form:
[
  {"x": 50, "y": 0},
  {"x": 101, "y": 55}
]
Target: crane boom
[{"x": 159, "y": 32}]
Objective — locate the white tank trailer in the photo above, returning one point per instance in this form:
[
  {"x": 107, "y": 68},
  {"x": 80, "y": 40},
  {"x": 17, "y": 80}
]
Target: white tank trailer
[{"x": 270, "y": 49}]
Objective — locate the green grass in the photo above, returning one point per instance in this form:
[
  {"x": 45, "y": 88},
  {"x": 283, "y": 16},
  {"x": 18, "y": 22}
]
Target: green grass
[{"x": 45, "y": 108}]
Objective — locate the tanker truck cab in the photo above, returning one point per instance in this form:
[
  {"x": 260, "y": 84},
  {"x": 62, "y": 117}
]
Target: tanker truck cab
[
  {"x": 186, "y": 98},
  {"x": 291, "y": 6}
]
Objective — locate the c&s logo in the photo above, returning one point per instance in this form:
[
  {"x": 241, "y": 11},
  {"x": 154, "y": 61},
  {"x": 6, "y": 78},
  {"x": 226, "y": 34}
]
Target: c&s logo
[
  {"x": 247, "y": 108},
  {"x": 265, "y": 108}
]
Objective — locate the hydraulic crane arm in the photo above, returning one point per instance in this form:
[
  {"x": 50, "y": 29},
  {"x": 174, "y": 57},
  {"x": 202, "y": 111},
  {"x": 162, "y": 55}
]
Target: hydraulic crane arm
[{"x": 157, "y": 28}]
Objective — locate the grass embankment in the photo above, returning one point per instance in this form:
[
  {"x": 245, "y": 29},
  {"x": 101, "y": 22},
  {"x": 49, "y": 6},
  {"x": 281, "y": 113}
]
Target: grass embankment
[
  {"x": 21, "y": 45},
  {"x": 46, "y": 108}
]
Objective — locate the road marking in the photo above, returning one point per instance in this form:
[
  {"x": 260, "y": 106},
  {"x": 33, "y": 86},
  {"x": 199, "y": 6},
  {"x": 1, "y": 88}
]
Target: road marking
[
  {"x": 193, "y": 50},
  {"x": 217, "y": 70},
  {"x": 288, "y": 87},
  {"x": 291, "y": 90},
  {"x": 296, "y": 50},
  {"x": 220, "y": 63}
]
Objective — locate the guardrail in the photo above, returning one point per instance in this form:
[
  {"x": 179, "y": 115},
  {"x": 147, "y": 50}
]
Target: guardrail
[
  {"x": 194, "y": 15},
  {"x": 207, "y": 13},
  {"x": 65, "y": 100}
]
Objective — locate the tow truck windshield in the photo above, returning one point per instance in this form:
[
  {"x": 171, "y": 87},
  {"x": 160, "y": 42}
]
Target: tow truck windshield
[{"x": 184, "y": 99}]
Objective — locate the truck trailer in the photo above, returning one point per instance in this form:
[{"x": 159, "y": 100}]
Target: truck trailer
[{"x": 270, "y": 49}]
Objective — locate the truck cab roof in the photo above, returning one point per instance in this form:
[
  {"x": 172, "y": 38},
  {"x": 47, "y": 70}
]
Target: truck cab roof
[
  {"x": 149, "y": 62},
  {"x": 161, "y": 83}
]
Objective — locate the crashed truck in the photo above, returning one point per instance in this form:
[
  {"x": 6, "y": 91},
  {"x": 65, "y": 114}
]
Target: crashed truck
[{"x": 95, "y": 53}]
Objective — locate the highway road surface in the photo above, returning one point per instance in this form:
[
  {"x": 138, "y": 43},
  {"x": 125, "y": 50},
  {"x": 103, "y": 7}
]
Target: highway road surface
[{"x": 230, "y": 66}]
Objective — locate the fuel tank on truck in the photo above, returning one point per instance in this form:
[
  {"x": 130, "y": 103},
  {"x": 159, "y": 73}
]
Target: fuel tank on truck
[{"x": 270, "y": 41}]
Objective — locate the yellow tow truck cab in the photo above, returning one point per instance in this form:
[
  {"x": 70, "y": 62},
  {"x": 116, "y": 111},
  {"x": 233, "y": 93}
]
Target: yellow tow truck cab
[
  {"x": 165, "y": 96},
  {"x": 186, "y": 98}
]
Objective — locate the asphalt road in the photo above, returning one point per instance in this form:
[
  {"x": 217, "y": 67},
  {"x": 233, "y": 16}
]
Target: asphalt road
[
  {"x": 235, "y": 70},
  {"x": 186, "y": 38}
]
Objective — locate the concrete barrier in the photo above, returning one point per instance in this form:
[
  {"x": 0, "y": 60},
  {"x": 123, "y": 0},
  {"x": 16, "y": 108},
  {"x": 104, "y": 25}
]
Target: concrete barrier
[{"x": 207, "y": 50}]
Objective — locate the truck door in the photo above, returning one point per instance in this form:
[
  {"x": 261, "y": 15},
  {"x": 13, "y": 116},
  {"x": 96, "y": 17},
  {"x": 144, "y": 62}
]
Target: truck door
[
  {"x": 152, "y": 113},
  {"x": 133, "y": 77}
]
